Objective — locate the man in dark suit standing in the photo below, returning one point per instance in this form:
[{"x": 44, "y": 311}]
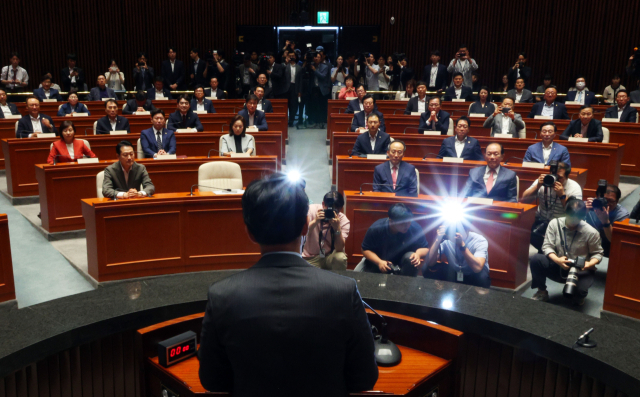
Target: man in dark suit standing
[
  {"x": 585, "y": 127},
  {"x": 320, "y": 89},
  {"x": 295, "y": 87},
  {"x": 143, "y": 74},
  {"x": 123, "y": 178},
  {"x": 280, "y": 78},
  {"x": 72, "y": 76},
  {"x": 622, "y": 112},
  {"x": 520, "y": 71},
  {"x": 434, "y": 118},
  {"x": 197, "y": 69},
  {"x": 112, "y": 122},
  {"x": 461, "y": 145},
  {"x": 492, "y": 181},
  {"x": 284, "y": 327},
  {"x": 34, "y": 123},
  {"x": 157, "y": 139},
  {"x": 396, "y": 176},
  {"x": 549, "y": 106},
  {"x": 373, "y": 141},
  {"x": 173, "y": 72},
  {"x": 435, "y": 75}
]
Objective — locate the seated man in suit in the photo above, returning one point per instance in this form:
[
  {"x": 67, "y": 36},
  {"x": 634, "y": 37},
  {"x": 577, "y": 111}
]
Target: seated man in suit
[
  {"x": 373, "y": 141},
  {"x": 547, "y": 150},
  {"x": 549, "y": 106},
  {"x": 581, "y": 94},
  {"x": 492, "y": 181},
  {"x": 435, "y": 74},
  {"x": 623, "y": 112},
  {"x": 101, "y": 91},
  {"x": 461, "y": 145},
  {"x": 46, "y": 92},
  {"x": 123, "y": 178},
  {"x": 585, "y": 127},
  {"x": 139, "y": 104},
  {"x": 504, "y": 120},
  {"x": 394, "y": 175},
  {"x": 356, "y": 105},
  {"x": 7, "y": 108},
  {"x": 419, "y": 103},
  {"x": 184, "y": 117},
  {"x": 434, "y": 118},
  {"x": 157, "y": 139},
  {"x": 519, "y": 93},
  {"x": 213, "y": 91},
  {"x": 267, "y": 302},
  {"x": 158, "y": 92},
  {"x": 252, "y": 116},
  {"x": 263, "y": 104},
  {"x": 112, "y": 122},
  {"x": 34, "y": 123},
  {"x": 200, "y": 103},
  {"x": 458, "y": 90},
  {"x": 359, "y": 122},
  {"x": 72, "y": 106},
  {"x": 263, "y": 81}
]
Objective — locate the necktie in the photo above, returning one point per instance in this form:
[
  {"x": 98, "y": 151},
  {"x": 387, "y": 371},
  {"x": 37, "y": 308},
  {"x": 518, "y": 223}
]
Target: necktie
[
  {"x": 580, "y": 97},
  {"x": 394, "y": 176},
  {"x": 490, "y": 181},
  {"x": 184, "y": 121},
  {"x": 159, "y": 141}
]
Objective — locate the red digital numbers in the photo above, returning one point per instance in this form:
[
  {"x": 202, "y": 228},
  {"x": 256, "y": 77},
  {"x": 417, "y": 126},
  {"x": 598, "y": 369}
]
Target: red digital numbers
[
  {"x": 185, "y": 348},
  {"x": 180, "y": 349},
  {"x": 173, "y": 352}
]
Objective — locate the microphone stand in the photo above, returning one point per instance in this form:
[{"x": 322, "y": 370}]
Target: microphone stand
[
  {"x": 433, "y": 154},
  {"x": 210, "y": 187},
  {"x": 212, "y": 150},
  {"x": 376, "y": 184},
  {"x": 386, "y": 352},
  {"x": 517, "y": 158}
]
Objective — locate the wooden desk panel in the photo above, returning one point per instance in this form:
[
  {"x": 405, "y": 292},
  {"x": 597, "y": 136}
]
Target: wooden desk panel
[
  {"x": 7, "y": 286},
  {"x": 506, "y": 226},
  {"x": 62, "y": 187},
  {"x": 621, "y": 294},
  {"x": 23, "y": 154},
  {"x": 435, "y": 175},
  {"x": 203, "y": 232}
]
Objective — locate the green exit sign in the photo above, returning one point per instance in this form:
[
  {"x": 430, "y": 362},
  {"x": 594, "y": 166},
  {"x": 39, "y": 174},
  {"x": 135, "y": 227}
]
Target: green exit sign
[{"x": 323, "y": 17}]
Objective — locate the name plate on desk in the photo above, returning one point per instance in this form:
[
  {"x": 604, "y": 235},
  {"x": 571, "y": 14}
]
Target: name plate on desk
[
  {"x": 477, "y": 115},
  {"x": 118, "y": 132},
  {"x": 452, "y": 160},
  {"x": 80, "y": 115},
  {"x": 13, "y": 116},
  {"x": 433, "y": 133},
  {"x": 458, "y": 100},
  {"x": 212, "y": 98},
  {"x": 46, "y": 135},
  {"x": 356, "y": 111},
  {"x": 530, "y": 164},
  {"x": 233, "y": 154},
  {"x": 635, "y": 105},
  {"x": 166, "y": 157},
  {"x": 572, "y": 103},
  {"x": 183, "y": 130},
  {"x": 376, "y": 156},
  {"x": 106, "y": 99},
  {"x": 252, "y": 128},
  {"x": 405, "y": 99},
  {"x": 89, "y": 160},
  {"x": 574, "y": 139},
  {"x": 233, "y": 191},
  {"x": 164, "y": 98},
  {"x": 478, "y": 200},
  {"x": 507, "y": 136},
  {"x": 50, "y": 100},
  {"x": 541, "y": 117},
  {"x": 200, "y": 111},
  {"x": 610, "y": 120},
  {"x": 142, "y": 113},
  {"x": 416, "y": 113}
]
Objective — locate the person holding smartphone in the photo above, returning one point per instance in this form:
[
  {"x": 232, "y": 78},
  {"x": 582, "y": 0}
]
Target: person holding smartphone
[
  {"x": 504, "y": 120},
  {"x": 115, "y": 78},
  {"x": 463, "y": 63},
  {"x": 143, "y": 74}
]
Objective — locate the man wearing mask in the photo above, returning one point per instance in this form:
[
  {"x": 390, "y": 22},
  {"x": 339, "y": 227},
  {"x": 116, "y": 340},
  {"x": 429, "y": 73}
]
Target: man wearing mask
[
  {"x": 603, "y": 217},
  {"x": 623, "y": 112},
  {"x": 585, "y": 127},
  {"x": 359, "y": 123},
  {"x": 461, "y": 145},
  {"x": 372, "y": 141},
  {"x": 549, "y": 107},
  {"x": 463, "y": 63},
  {"x": 581, "y": 94}
]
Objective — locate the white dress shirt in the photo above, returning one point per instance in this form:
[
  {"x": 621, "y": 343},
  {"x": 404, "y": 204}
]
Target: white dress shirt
[
  {"x": 495, "y": 176},
  {"x": 422, "y": 104},
  {"x": 72, "y": 154},
  {"x": 620, "y": 110},
  {"x": 518, "y": 96},
  {"x": 113, "y": 123},
  {"x": 20, "y": 75},
  {"x": 73, "y": 79},
  {"x": 434, "y": 75},
  {"x": 259, "y": 105},
  {"x": 47, "y": 93},
  {"x": 159, "y": 95},
  {"x": 580, "y": 97},
  {"x": 547, "y": 110},
  {"x": 459, "y": 146},
  {"x": 372, "y": 139},
  {"x": 458, "y": 92},
  {"x": 7, "y": 110},
  {"x": 37, "y": 127},
  {"x": 200, "y": 106},
  {"x": 173, "y": 64},
  {"x": 546, "y": 152},
  {"x": 505, "y": 124},
  {"x": 293, "y": 73}
]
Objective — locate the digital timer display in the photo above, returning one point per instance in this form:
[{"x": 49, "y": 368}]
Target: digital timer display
[{"x": 176, "y": 349}]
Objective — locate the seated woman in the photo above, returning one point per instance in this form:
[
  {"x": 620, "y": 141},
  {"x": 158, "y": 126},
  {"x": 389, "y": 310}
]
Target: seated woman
[
  {"x": 72, "y": 106},
  {"x": 482, "y": 105},
  {"x": 349, "y": 89},
  {"x": 410, "y": 91},
  {"x": 238, "y": 141},
  {"x": 68, "y": 149}
]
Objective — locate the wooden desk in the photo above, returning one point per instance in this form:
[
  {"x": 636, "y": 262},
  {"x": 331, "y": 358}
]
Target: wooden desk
[
  {"x": 430, "y": 355},
  {"x": 621, "y": 294},
  {"x": 24, "y": 154},
  {"x": 63, "y": 186},
  {"x": 435, "y": 175},
  {"x": 602, "y": 160},
  {"x": 506, "y": 226},
  {"x": 7, "y": 286}
]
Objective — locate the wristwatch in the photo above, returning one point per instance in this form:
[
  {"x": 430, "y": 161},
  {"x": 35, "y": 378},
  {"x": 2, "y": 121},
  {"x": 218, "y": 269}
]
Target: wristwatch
[
  {"x": 337, "y": 231},
  {"x": 563, "y": 197}
]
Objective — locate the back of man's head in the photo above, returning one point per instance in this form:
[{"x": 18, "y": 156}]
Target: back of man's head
[
  {"x": 576, "y": 208},
  {"x": 275, "y": 209}
]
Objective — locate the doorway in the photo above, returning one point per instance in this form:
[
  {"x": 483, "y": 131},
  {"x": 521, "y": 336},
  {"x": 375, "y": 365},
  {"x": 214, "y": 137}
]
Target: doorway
[{"x": 325, "y": 36}]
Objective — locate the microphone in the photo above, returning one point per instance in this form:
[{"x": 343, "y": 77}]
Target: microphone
[
  {"x": 517, "y": 158},
  {"x": 583, "y": 340},
  {"x": 210, "y": 187},
  {"x": 222, "y": 127},
  {"x": 350, "y": 153},
  {"x": 386, "y": 352},
  {"x": 412, "y": 128},
  {"x": 376, "y": 184},
  {"x": 212, "y": 150},
  {"x": 425, "y": 156}
]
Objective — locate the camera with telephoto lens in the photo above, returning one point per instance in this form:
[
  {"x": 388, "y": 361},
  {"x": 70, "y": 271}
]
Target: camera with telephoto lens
[
  {"x": 571, "y": 285},
  {"x": 552, "y": 178},
  {"x": 599, "y": 202},
  {"x": 329, "y": 212}
]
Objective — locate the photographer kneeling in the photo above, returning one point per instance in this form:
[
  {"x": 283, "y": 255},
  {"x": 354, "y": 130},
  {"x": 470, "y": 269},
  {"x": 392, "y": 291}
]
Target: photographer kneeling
[
  {"x": 328, "y": 230},
  {"x": 571, "y": 250}
]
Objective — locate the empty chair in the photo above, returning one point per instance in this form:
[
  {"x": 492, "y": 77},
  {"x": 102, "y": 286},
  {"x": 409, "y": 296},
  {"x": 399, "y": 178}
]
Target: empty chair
[
  {"x": 605, "y": 135},
  {"x": 139, "y": 152},
  {"x": 99, "y": 180},
  {"x": 219, "y": 175},
  {"x": 417, "y": 182}
]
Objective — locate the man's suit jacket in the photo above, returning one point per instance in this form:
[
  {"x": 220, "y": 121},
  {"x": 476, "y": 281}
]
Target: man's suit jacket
[
  {"x": 259, "y": 119},
  {"x": 193, "y": 121},
  {"x": 442, "y": 124},
  {"x": 594, "y": 131},
  {"x": 281, "y": 79},
  {"x": 525, "y": 73},
  {"x": 267, "y": 107},
  {"x": 150, "y": 144},
  {"x": 66, "y": 109},
  {"x": 558, "y": 153},
  {"x": 505, "y": 187},
  {"x": 406, "y": 74},
  {"x": 354, "y": 106},
  {"x": 629, "y": 114},
  {"x": 53, "y": 94},
  {"x": 12, "y": 107},
  {"x": 219, "y": 93},
  {"x": 175, "y": 77},
  {"x": 589, "y": 97},
  {"x": 94, "y": 94},
  {"x": 635, "y": 96},
  {"x": 527, "y": 96},
  {"x": 363, "y": 144},
  {"x": 297, "y": 77},
  {"x": 471, "y": 151},
  {"x": 406, "y": 181},
  {"x": 198, "y": 76},
  {"x": 208, "y": 105},
  {"x": 465, "y": 93},
  {"x": 25, "y": 127},
  {"x": 151, "y": 93},
  {"x": 115, "y": 182},
  {"x": 441, "y": 77},
  {"x": 132, "y": 106},
  {"x": 412, "y": 105},
  {"x": 60, "y": 149},
  {"x": 323, "y": 73},
  {"x": 104, "y": 125},
  {"x": 252, "y": 76},
  {"x": 495, "y": 123},
  {"x": 148, "y": 78},
  {"x": 66, "y": 80},
  {"x": 359, "y": 121},
  {"x": 319, "y": 338},
  {"x": 559, "y": 110}
]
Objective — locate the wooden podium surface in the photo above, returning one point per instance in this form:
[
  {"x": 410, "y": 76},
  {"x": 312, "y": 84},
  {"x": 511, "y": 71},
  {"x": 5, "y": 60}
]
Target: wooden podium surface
[
  {"x": 621, "y": 294},
  {"x": 63, "y": 186},
  {"x": 23, "y": 154},
  {"x": 436, "y": 177},
  {"x": 506, "y": 226},
  {"x": 7, "y": 286}
]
